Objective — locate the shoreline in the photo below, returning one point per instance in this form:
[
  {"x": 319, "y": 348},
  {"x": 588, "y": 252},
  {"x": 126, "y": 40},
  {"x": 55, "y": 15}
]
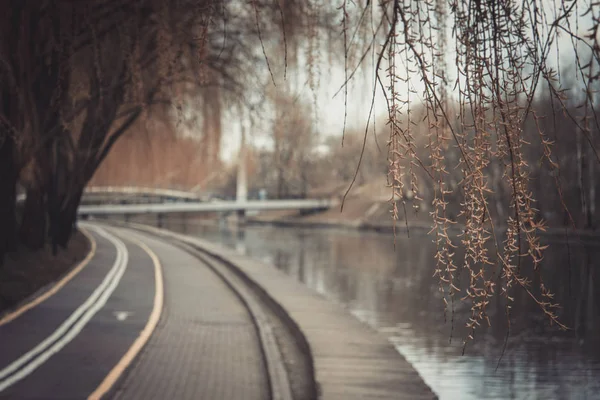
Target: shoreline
[{"x": 400, "y": 228}]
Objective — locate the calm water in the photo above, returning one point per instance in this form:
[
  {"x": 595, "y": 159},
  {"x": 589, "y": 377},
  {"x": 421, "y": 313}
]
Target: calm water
[{"x": 395, "y": 293}]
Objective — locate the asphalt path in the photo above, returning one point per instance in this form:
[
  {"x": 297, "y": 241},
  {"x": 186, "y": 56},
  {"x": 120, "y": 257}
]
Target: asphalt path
[{"x": 64, "y": 345}]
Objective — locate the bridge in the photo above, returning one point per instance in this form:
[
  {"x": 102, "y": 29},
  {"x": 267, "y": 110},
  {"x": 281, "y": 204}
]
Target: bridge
[
  {"x": 101, "y": 201},
  {"x": 212, "y": 206},
  {"x": 96, "y": 194},
  {"x": 179, "y": 201},
  {"x": 127, "y": 193}
]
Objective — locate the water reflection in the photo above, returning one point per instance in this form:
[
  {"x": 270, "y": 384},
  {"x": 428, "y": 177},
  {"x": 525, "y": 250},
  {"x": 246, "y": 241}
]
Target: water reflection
[{"x": 394, "y": 292}]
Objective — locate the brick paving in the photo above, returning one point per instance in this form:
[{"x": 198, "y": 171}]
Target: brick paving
[
  {"x": 205, "y": 346},
  {"x": 351, "y": 360}
]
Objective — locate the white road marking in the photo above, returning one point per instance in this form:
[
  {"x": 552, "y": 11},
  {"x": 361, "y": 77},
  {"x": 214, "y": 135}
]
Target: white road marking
[
  {"x": 69, "y": 329},
  {"x": 119, "y": 369},
  {"x": 122, "y": 315}
]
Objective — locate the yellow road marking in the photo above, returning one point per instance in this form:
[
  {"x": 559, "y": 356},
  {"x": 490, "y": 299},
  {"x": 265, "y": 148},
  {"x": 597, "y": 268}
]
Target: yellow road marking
[
  {"x": 57, "y": 286},
  {"x": 118, "y": 370}
]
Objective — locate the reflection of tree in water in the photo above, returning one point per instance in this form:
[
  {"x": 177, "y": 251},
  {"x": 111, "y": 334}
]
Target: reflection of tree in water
[
  {"x": 301, "y": 258},
  {"x": 397, "y": 286},
  {"x": 416, "y": 298}
]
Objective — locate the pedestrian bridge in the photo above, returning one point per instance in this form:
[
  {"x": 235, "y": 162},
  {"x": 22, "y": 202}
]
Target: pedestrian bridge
[
  {"x": 177, "y": 201},
  {"x": 99, "y": 193},
  {"x": 130, "y": 194},
  {"x": 213, "y": 206}
]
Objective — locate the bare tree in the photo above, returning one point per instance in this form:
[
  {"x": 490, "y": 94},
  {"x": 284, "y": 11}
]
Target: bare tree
[
  {"x": 293, "y": 139},
  {"x": 77, "y": 75}
]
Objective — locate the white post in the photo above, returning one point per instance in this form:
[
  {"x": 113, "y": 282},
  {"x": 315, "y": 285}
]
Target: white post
[
  {"x": 242, "y": 179},
  {"x": 241, "y": 192}
]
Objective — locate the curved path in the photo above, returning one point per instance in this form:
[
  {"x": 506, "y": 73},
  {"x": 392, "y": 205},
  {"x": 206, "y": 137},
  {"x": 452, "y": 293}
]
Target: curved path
[
  {"x": 80, "y": 342},
  {"x": 63, "y": 346},
  {"x": 156, "y": 315},
  {"x": 206, "y": 345},
  {"x": 349, "y": 360}
]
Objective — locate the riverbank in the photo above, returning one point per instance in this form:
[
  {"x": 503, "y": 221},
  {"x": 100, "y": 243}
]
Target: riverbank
[
  {"x": 24, "y": 272},
  {"x": 393, "y": 290},
  {"x": 329, "y": 219},
  {"x": 368, "y": 208}
]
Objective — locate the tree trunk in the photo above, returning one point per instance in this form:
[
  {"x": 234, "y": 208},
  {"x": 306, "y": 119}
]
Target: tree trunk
[
  {"x": 67, "y": 220},
  {"x": 57, "y": 194},
  {"x": 33, "y": 225},
  {"x": 8, "y": 182},
  {"x": 581, "y": 165},
  {"x": 280, "y": 184},
  {"x": 591, "y": 212}
]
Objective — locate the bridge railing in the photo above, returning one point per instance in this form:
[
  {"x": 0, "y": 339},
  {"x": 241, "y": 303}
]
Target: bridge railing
[
  {"x": 216, "y": 206},
  {"x": 135, "y": 190},
  {"x": 192, "y": 202}
]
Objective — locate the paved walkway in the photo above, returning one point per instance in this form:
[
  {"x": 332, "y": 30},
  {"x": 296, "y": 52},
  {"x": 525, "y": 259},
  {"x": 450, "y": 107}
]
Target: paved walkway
[
  {"x": 204, "y": 346},
  {"x": 351, "y": 360}
]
